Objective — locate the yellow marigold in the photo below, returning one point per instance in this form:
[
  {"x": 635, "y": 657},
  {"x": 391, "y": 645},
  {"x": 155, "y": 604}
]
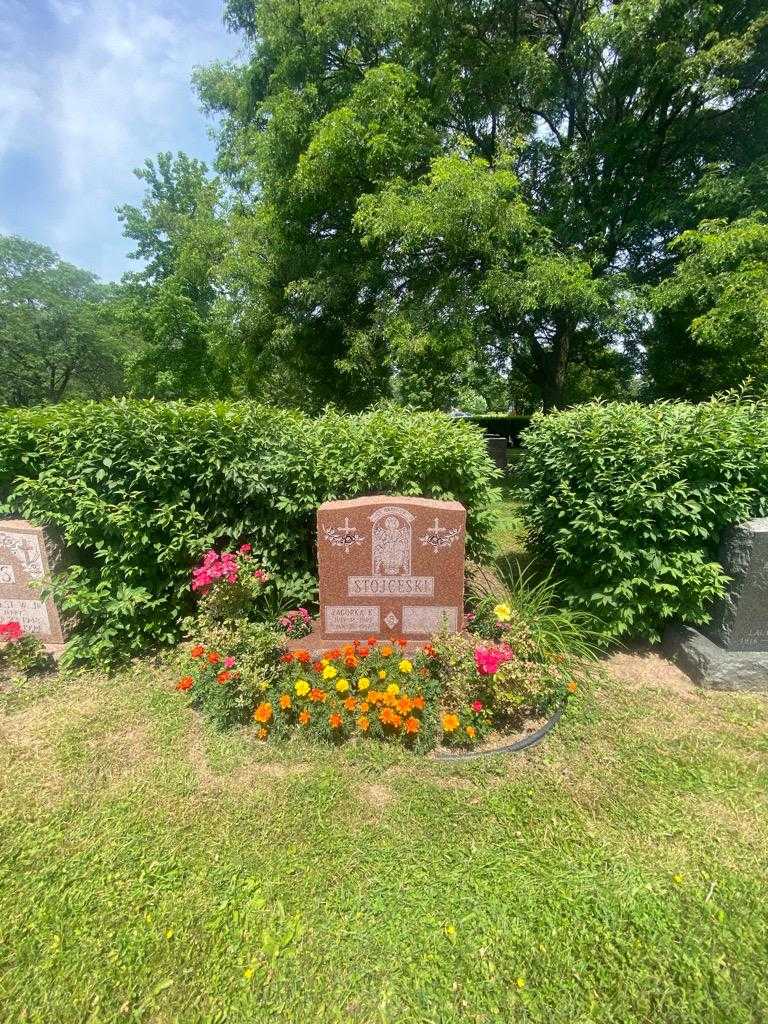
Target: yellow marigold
[
  {"x": 342, "y": 685},
  {"x": 405, "y": 665},
  {"x": 394, "y": 689},
  {"x": 302, "y": 687},
  {"x": 450, "y": 723},
  {"x": 382, "y": 674},
  {"x": 503, "y": 612},
  {"x": 330, "y": 672},
  {"x": 363, "y": 683},
  {"x": 324, "y": 662}
]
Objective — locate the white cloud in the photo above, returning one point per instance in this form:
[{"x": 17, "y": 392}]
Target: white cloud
[{"x": 107, "y": 88}]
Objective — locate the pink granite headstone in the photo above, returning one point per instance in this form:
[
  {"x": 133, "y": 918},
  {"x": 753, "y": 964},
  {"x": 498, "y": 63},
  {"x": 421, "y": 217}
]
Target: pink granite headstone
[
  {"x": 26, "y": 557},
  {"x": 389, "y": 567}
]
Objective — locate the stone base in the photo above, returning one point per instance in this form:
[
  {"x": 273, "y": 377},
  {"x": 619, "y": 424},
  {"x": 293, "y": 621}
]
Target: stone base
[
  {"x": 317, "y": 644},
  {"x": 714, "y": 667}
]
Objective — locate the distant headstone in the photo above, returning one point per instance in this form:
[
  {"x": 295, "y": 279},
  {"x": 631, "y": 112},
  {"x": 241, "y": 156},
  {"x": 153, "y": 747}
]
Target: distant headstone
[
  {"x": 497, "y": 449},
  {"x": 732, "y": 652},
  {"x": 389, "y": 567},
  {"x": 27, "y": 556}
]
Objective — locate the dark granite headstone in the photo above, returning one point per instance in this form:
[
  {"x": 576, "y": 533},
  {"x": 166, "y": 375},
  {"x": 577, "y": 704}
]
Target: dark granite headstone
[
  {"x": 740, "y": 619},
  {"x": 732, "y": 652}
]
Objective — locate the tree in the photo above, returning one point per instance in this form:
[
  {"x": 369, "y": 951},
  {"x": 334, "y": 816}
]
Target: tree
[
  {"x": 180, "y": 233},
  {"x": 58, "y": 334},
  {"x": 367, "y": 139},
  {"x": 711, "y": 315}
]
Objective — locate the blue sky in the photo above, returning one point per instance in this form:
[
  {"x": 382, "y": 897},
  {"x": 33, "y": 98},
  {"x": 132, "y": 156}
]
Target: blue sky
[{"x": 88, "y": 90}]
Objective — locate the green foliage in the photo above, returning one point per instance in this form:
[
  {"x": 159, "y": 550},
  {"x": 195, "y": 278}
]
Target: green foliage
[
  {"x": 425, "y": 188},
  {"x": 58, "y": 335},
  {"x": 140, "y": 490},
  {"x": 26, "y": 655},
  {"x": 629, "y": 502},
  {"x": 711, "y": 314}
]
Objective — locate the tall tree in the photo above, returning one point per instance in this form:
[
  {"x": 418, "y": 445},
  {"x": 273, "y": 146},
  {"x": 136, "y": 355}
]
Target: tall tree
[
  {"x": 367, "y": 140},
  {"x": 58, "y": 335},
  {"x": 180, "y": 234}
]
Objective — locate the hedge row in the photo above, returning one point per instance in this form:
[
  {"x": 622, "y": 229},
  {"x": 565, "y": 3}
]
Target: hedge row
[
  {"x": 140, "y": 489},
  {"x": 630, "y": 502}
]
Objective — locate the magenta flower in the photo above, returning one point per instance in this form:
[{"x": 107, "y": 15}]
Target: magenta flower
[
  {"x": 245, "y": 549},
  {"x": 476, "y": 705},
  {"x": 489, "y": 659},
  {"x": 10, "y": 631},
  {"x": 229, "y": 661}
]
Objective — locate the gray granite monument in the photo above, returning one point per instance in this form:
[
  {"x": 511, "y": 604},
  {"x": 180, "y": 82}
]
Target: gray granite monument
[{"x": 731, "y": 653}]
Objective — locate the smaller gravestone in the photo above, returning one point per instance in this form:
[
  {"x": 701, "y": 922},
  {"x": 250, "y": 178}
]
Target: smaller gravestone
[
  {"x": 731, "y": 653},
  {"x": 389, "y": 567},
  {"x": 27, "y": 557}
]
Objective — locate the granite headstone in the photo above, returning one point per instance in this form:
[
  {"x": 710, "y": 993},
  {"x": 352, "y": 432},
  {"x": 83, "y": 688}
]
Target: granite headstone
[
  {"x": 28, "y": 556},
  {"x": 389, "y": 567},
  {"x": 731, "y": 653}
]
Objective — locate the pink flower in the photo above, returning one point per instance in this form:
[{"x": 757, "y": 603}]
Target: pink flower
[
  {"x": 229, "y": 662},
  {"x": 476, "y": 705},
  {"x": 10, "y": 631},
  {"x": 470, "y": 617},
  {"x": 245, "y": 549},
  {"x": 488, "y": 659}
]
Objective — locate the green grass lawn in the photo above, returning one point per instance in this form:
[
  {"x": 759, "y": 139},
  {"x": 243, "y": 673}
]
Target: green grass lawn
[{"x": 151, "y": 870}]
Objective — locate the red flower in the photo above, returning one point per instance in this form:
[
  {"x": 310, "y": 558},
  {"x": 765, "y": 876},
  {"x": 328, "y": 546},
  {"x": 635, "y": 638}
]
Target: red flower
[
  {"x": 318, "y": 666},
  {"x": 401, "y": 641},
  {"x": 185, "y": 683},
  {"x": 363, "y": 652},
  {"x": 302, "y": 656},
  {"x": 245, "y": 549},
  {"x": 286, "y": 658},
  {"x": 197, "y": 651},
  {"x": 223, "y": 677},
  {"x": 371, "y": 641},
  {"x": 11, "y": 631},
  {"x": 214, "y": 658},
  {"x": 477, "y": 705}
]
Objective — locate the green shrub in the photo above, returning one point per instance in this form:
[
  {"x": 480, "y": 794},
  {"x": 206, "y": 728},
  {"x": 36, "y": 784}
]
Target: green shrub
[
  {"x": 140, "y": 490},
  {"x": 630, "y": 502}
]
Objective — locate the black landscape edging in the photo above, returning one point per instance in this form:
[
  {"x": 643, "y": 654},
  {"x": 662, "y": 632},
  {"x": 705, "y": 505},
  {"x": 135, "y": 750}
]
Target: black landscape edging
[{"x": 510, "y": 748}]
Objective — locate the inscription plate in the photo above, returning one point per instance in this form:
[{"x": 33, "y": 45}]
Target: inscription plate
[
  {"x": 390, "y": 566},
  {"x": 31, "y": 615},
  {"x": 351, "y": 618},
  {"x": 25, "y": 562}
]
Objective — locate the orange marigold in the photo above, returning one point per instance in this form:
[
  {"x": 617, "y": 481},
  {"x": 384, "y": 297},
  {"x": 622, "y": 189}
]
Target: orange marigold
[
  {"x": 214, "y": 658},
  {"x": 334, "y": 720},
  {"x": 350, "y": 704},
  {"x": 450, "y": 723},
  {"x": 412, "y": 725},
  {"x": 351, "y": 661},
  {"x": 263, "y": 733},
  {"x": 418, "y": 703},
  {"x": 471, "y": 731},
  {"x": 386, "y": 651},
  {"x": 302, "y": 656},
  {"x": 404, "y": 705},
  {"x": 317, "y": 695},
  {"x": 363, "y": 723},
  {"x": 286, "y": 658},
  {"x": 197, "y": 651},
  {"x": 285, "y": 701},
  {"x": 304, "y": 717},
  {"x": 363, "y": 652},
  {"x": 263, "y": 712},
  {"x": 363, "y": 707},
  {"x": 347, "y": 650},
  {"x": 571, "y": 687},
  {"x": 185, "y": 683},
  {"x": 333, "y": 655},
  {"x": 223, "y": 677}
]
